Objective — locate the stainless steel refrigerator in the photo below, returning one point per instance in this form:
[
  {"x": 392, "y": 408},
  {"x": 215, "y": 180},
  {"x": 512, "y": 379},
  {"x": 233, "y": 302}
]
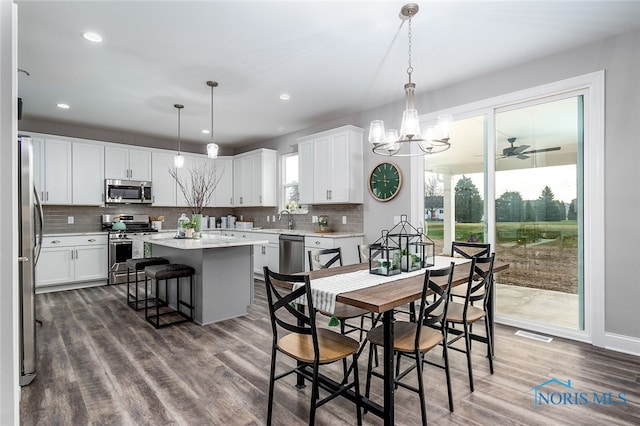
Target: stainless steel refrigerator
[{"x": 30, "y": 239}]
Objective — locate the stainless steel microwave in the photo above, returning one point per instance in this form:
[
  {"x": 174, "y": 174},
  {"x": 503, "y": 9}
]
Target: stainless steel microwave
[{"x": 119, "y": 191}]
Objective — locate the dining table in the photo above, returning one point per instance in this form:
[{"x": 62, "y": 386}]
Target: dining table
[{"x": 398, "y": 291}]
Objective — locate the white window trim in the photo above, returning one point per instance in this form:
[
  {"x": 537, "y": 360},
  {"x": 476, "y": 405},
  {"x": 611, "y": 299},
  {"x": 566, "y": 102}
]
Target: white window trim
[
  {"x": 302, "y": 209},
  {"x": 594, "y": 260}
]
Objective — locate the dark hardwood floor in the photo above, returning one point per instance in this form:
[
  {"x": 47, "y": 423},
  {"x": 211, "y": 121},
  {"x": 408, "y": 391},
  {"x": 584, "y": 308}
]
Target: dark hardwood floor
[{"x": 102, "y": 363}]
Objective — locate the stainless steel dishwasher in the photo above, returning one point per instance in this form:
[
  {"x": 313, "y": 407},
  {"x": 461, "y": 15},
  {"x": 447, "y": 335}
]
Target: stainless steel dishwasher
[{"x": 291, "y": 254}]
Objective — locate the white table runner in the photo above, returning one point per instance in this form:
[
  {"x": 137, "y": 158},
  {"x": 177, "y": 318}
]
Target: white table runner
[{"x": 324, "y": 290}]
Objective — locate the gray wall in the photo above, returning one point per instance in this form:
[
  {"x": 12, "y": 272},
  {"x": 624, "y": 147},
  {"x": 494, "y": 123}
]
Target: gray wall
[{"x": 620, "y": 58}]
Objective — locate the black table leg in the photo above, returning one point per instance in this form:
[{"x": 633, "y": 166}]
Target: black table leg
[{"x": 389, "y": 371}]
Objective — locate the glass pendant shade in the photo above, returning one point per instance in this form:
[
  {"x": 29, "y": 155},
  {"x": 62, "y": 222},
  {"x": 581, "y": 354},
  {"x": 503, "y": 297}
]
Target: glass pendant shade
[
  {"x": 178, "y": 161},
  {"x": 445, "y": 122},
  {"x": 376, "y": 132},
  {"x": 212, "y": 150},
  {"x": 410, "y": 128}
]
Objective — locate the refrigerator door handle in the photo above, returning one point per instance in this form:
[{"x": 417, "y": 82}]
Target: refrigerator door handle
[{"x": 38, "y": 246}]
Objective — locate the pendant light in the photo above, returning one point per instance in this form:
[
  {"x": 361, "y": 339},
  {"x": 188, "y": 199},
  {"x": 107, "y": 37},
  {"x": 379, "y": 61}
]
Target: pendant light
[
  {"x": 178, "y": 160},
  {"x": 390, "y": 143},
  {"x": 212, "y": 147}
]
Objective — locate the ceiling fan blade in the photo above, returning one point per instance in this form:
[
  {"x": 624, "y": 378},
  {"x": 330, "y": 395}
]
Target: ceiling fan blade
[
  {"x": 536, "y": 151},
  {"x": 519, "y": 149},
  {"x": 522, "y": 157}
]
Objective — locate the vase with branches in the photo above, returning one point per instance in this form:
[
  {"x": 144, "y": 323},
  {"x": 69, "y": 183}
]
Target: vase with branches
[{"x": 197, "y": 183}]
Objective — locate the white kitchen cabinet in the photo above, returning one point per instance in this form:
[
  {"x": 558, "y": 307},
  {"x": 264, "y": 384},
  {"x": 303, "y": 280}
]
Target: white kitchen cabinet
[
  {"x": 332, "y": 166},
  {"x": 348, "y": 246},
  {"x": 223, "y": 195},
  {"x": 88, "y": 174},
  {"x": 127, "y": 163},
  {"x": 57, "y": 172},
  {"x": 184, "y": 174},
  {"x": 66, "y": 172},
  {"x": 70, "y": 259},
  {"x": 254, "y": 178},
  {"x": 265, "y": 254},
  {"x": 163, "y": 184}
]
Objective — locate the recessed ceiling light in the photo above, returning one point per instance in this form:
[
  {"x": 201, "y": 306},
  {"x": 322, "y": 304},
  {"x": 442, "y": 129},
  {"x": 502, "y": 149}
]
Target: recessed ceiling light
[
  {"x": 63, "y": 106},
  {"x": 93, "y": 37},
  {"x": 285, "y": 97},
  {"x": 205, "y": 131}
]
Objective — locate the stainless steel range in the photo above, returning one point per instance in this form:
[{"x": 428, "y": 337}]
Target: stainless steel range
[{"x": 121, "y": 243}]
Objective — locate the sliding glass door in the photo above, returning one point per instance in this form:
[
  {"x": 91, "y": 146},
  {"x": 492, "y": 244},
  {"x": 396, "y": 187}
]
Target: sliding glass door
[
  {"x": 538, "y": 211},
  {"x": 513, "y": 178}
]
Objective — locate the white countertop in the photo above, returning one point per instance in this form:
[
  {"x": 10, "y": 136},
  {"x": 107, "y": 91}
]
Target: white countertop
[{"x": 208, "y": 241}]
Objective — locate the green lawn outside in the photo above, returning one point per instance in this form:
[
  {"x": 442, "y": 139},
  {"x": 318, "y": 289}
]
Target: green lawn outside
[{"x": 564, "y": 233}]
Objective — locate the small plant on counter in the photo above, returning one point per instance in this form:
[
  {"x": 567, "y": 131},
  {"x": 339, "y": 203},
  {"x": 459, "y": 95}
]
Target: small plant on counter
[{"x": 189, "y": 225}]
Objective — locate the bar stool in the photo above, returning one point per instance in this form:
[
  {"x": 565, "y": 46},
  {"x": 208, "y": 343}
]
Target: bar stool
[
  {"x": 138, "y": 264},
  {"x": 165, "y": 273}
]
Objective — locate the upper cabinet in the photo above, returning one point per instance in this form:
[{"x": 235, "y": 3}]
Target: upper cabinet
[
  {"x": 254, "y": 178},
  {"x": 163, "y": 185},
  {"x": 223, "y": 195},
  {"x": 68, "y": 172},
  {"x": 127, "y": 163},
  {"x": 88, "y": 173},
  {"x": 331, "y": 166}
]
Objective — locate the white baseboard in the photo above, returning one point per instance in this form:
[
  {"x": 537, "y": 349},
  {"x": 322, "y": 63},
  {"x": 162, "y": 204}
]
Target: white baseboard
[{"x": 620, "y": 343}]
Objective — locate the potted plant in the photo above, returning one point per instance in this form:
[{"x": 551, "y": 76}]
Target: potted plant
[
  {"x": 197, "y": 184},
  {"x": 189, "y": 228}
]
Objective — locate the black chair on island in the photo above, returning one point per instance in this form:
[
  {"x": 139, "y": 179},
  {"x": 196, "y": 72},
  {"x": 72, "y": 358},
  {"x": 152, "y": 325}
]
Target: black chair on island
[
  {"x": 163, "y": 308},
  {"x": 304, "y": 342},
  {"x": 134, "y": 300}
]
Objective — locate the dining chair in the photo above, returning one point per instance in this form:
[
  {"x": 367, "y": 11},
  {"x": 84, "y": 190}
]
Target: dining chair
[
  {"x": 295, "y": 334},
  {"x": 465, "y": 314},
  {"x": 323, "y": 259},
  {"x": 467, "y": 250},
  {"x": 415, "y": 339}
]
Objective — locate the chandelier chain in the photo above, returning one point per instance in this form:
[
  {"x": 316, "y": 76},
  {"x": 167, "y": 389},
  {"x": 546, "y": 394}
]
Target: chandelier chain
[{"x": 410, "y": 68}]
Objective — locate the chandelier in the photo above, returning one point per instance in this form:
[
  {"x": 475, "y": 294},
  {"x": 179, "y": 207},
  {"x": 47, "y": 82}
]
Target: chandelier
[
  {"x": 434, "y": 139},
  {"x": 212, "y": 147},
  {"x": 178, "y": 160}
]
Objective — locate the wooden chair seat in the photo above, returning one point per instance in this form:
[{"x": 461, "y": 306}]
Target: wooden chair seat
[
  {"x": 332, "y": 346},
  {"x": 404, "y": 337},
  {"x": 456, "y": 310}
]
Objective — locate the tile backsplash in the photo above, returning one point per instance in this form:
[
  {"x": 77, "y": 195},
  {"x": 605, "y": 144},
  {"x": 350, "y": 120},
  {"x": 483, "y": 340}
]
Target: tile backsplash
[{"x": 88, "y": 218}]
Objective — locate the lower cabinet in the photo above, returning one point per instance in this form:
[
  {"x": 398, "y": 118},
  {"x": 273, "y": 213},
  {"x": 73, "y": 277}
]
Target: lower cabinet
[
  {"x": 69, "y": 260},
  {"x": 349, "y": 246},
  {"x": 266, "y": 254}
]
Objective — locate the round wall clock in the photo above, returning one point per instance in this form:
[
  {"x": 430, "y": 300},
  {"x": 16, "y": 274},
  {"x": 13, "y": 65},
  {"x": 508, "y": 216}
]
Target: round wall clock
[{"x": 385, "y": 181}]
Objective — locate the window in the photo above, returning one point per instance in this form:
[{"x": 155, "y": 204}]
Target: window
[{"x": 290, "y": 196}]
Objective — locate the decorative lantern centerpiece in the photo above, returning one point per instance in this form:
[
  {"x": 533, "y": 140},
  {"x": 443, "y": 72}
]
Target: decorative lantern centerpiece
[
  {"x": 404, "y": 248},
  {"x": 384, "y": 256}
]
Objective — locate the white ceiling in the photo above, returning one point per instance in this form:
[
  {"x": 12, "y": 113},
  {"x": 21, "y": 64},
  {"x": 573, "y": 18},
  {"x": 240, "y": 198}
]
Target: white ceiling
[{"x": 332, "y": 57}]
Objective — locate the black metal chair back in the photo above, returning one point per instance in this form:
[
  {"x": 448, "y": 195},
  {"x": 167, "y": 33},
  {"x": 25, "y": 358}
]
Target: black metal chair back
[
  {"x": 470, "y": 250},
  {"x": 480, "y": 281},
  {"x": 324, "y": 258},
  {"x": 282, "y": 306},
  {"x": 363, "y": 252},
  {"x": 433, "y": 313}
]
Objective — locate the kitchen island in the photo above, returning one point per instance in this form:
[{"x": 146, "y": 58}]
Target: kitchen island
[{"x": 223, "y": 282}]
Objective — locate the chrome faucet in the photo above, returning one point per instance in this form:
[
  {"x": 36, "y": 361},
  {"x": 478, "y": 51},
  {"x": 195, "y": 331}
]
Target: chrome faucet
[{"x": 290, "y": 222}]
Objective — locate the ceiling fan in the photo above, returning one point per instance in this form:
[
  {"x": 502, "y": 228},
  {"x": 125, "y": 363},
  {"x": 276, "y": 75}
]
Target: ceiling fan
[{"x": 521, "y": 152}]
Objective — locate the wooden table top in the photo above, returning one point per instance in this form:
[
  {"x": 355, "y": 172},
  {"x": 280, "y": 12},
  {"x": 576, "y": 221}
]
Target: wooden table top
[{"x": 383, "y": 297}]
